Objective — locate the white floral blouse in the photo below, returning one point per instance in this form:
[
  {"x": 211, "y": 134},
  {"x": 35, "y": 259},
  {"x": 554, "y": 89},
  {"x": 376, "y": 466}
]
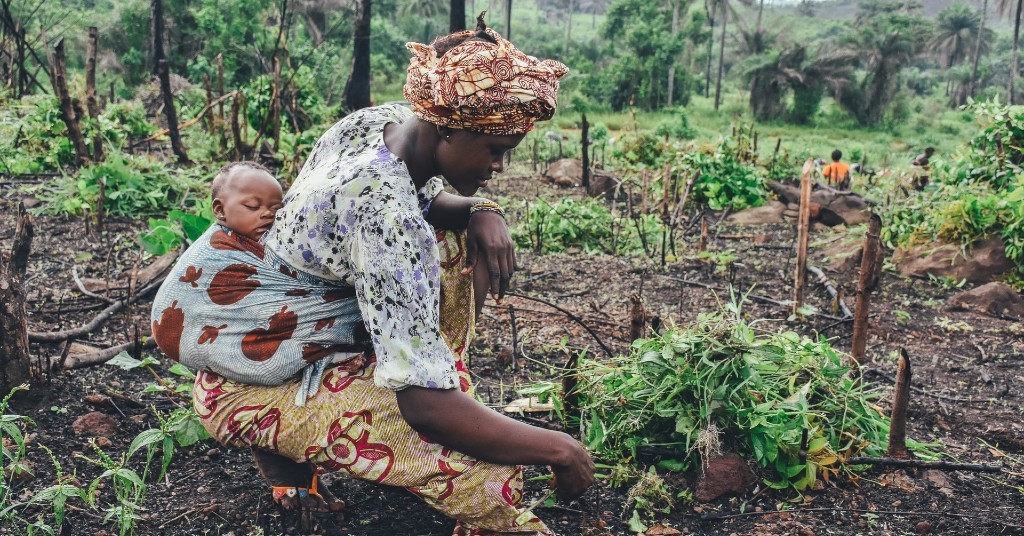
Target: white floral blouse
[{"x": 354, "y": 216}]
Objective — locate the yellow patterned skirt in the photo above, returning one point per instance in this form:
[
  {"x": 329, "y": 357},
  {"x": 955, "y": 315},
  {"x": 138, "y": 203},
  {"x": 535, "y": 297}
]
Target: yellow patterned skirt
[{"x": 355, "y": 427}]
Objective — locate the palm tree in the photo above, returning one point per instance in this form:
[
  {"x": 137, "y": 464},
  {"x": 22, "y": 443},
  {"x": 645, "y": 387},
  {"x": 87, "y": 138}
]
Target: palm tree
[
  {"x": 771, "y": 77},
  {"x": 726, "y": 7},
  {"x": 957, "y": 29},
  {"x": 977, "y": 49},
  {"x": 1004, "y": 8}
]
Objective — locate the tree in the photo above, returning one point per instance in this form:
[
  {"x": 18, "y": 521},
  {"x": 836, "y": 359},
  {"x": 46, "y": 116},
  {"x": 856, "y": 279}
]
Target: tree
[
  {"x": 162, "y": 71},
  {"x": 1004, "y": 7},
  {"x": 957, "y": 29},
  {"x": 887, "y": 36},
  {"x": 457, "y": 16},
  {"x": 977, "y": 49},
  {"x": 776, "y": 75},
  {"x": 428, "y": 11},
  {"x": 357, "y": 89},
  {"x": 14, "y": 349},
  {"x": 725, "y": 7}
]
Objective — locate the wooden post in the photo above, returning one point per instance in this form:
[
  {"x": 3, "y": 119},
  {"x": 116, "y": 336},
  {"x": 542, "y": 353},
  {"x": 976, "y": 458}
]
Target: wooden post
[
  {"x": 870, "y": 262},
  {"x": 900, "y": 401},
  {"x": 637, "y": 318},
  {"x": 67, "y": 109},
  {"x": 534, "y": 155},
  {"x": 585, "y": 145},
  {"x": 90, "y": 91},
  {"x": 236, "y": 129},
  {"x": 14, "y": 348},
  {"x": 803, "y": 234},
  {"x": 702, "y": 242}
]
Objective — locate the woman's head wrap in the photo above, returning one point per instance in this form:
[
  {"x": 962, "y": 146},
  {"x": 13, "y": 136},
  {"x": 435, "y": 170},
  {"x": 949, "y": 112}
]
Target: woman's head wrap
[{"x": 481, "y": 86}]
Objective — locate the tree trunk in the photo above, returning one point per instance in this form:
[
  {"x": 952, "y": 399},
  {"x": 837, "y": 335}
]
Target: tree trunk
[
  {"x": 711, "y": 46},
  {"x": 156, "y": 11},
  {"x": 977, "y": 49},
  {"x": 357, "y": 90},
  {"x": 275, "y": 104},
  {"x": 568, "y": 25},
  {"x": 457, "y": 16},
  {"x": 672, "y": 68},
  {"x": 14, "y": 349},
  {"x": 1014, "y": 68},
  {"x": 90, "y": 91},
  {"x": 67, "y": 110},
  {"x": 721, "y": 56},
  {"x": 508, "y": 19}
]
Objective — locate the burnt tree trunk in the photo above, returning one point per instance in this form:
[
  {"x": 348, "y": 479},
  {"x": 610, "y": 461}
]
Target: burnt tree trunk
[
  {"x": 156, "y": 10},
  {"x": 67, "y": 109},
  {"x": 357, "y": 90},
  {"x": 457, "y": 16},
  {"x": 14, "y": 355},
  {"x": 585, "y": 145},
  {"x": 91, "y": 103}
]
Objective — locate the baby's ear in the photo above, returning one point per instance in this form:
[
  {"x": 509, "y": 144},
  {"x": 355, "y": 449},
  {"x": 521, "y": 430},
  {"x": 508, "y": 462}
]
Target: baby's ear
[{"x": 218, "y": 208}]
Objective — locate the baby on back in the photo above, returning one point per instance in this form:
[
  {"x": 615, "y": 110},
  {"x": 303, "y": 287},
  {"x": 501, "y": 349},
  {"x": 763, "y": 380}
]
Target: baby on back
[{"x": 207, "y": 316}]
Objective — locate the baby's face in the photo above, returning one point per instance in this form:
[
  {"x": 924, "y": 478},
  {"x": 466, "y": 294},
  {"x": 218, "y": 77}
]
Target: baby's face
[{"x": 248, "y": 203}]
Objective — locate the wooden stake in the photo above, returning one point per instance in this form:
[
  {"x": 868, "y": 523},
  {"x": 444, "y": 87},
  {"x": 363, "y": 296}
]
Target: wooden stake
[
  {"x": 900, "y": 401},
  {"x": 585, "y": 146},
  {"x": 14, "y": 349},
  {"x": 90, "y": 91},
  {"x": 803, "y": 234},
  {"x": 870, "y": 262},
  {"x": 637, "y": 318},
  {"x": 67, "y": 109}
]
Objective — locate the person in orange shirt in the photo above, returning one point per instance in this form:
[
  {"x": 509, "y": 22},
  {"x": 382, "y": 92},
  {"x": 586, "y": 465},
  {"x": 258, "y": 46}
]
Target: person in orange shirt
[{"x": 837, "y": 173}]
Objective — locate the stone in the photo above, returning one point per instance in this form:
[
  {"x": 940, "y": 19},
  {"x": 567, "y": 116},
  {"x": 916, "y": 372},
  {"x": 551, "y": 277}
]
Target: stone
[
  {"x": 923, "y": 528},
  {"x": 835, "y": 207},
  {"x": 95, "y": 424},
  {"x": 770, "y": 212},
  {"x": 983, "y": 262},
  {"x": 723, "y": 475},
  {"x": 602, "y": 184},
  {"x": 566, "y": 173},
  {"x": 996, "y": 298}
]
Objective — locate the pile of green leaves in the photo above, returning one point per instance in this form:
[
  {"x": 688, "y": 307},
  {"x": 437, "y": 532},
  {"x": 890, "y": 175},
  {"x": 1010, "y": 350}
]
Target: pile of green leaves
[
  {"x": 588, "y": 225},
  {"x": 978, "y": 192},
  {"x": 781, "y": 399}
]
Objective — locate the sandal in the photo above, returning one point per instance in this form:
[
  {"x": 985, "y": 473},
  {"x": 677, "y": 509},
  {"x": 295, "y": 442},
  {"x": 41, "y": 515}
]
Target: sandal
[{"x": 334, "y": 505}]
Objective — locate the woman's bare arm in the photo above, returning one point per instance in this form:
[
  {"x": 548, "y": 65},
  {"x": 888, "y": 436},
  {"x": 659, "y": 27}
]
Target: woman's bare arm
[{"x": 459, "y": 422}]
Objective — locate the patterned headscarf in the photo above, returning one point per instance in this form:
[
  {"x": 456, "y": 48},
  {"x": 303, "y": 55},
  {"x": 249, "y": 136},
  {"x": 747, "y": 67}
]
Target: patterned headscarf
[{"x": 482, "y": 86}]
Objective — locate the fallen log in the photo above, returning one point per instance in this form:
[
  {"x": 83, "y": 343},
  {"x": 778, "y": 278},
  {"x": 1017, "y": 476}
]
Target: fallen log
[
  {"x": 923, "y": 464},
  {"x": 78, "y": 361}
]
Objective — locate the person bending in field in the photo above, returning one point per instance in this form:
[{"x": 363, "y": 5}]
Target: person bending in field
[
  {"x": 837, "y": 173},
  {"x": 923, "y": 163}
]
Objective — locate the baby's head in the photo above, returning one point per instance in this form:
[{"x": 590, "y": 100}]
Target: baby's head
[{"x": 246, "y": 196}]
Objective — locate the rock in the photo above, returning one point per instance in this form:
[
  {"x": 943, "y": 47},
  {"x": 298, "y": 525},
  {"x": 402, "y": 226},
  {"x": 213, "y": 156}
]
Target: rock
[
  {"x": 770, "y": 212},
  {"x": 844, "y": 256},
  {"x": 923, "y": 528},
  {"x": 723, "y": 475},
  {"x": 97, "y": 400},
  {"x": 103, "y": 442},
  {"x": 994, "y": 298},
  {"x": 30, "y": 202},
  {"x": 661, "y": 530},
  {"x": 566, "y": 173},
  {"x": 984, "y": 261},
  {"x": 602, "y": 184},
  {"x": 95, "y": 424}
]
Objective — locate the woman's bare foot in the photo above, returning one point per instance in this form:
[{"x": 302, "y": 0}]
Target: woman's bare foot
[{"x": 280, "y": 471}]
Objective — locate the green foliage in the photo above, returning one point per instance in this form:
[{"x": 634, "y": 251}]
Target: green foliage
[
  {"x": 978, "y": 193},
  {"x": 785, "y": 401},
  {"x": 132, "y": 186},
  {"x": 726, "y": 180},
  {"x": 588, "y": 225},
  {"x": 167, "y": 234}
]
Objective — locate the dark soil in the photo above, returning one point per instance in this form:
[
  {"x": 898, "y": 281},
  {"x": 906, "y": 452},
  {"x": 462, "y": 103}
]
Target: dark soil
[{"x": 967, "y": 368}]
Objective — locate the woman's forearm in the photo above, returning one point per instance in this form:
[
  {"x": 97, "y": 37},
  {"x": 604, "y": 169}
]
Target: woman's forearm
[
  {"x": 449, "y": 211},
  {"x": 458, "y": 421}
]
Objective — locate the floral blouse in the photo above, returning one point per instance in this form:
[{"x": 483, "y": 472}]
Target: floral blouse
[{"x": 354, "y": 216}]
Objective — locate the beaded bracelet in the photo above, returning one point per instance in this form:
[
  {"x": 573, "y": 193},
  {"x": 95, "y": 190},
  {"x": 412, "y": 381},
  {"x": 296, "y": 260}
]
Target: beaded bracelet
[{"x": 486, "y": 206}]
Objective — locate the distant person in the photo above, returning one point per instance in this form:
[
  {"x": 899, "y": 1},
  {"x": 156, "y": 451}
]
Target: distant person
[
  {"x": 922, "y": 161},
  {"x": 837, "y": 173}
]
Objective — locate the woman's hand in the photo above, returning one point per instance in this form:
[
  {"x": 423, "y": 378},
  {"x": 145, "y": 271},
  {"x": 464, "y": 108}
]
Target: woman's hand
[
  {"x": 576, "y": 474},
  {"x": 487, "y": 237}
]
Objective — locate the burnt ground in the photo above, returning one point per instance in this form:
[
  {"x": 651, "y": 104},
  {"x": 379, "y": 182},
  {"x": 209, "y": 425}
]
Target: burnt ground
[{"x": 967, "y": 368}]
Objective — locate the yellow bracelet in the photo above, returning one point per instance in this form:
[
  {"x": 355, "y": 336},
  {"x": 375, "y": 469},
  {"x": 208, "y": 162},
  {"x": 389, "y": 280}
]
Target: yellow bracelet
[{"x": 488, "y": 206}]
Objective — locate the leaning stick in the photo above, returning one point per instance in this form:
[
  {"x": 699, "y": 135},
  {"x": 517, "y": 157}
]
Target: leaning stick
[
  {"x": 192, "y": 121},
  {"x": 803, "y": 235},
  {"x": 869, "y": 264},
  {"x": 939, "y": 464},
  {"x": 832, "y": 291}
]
